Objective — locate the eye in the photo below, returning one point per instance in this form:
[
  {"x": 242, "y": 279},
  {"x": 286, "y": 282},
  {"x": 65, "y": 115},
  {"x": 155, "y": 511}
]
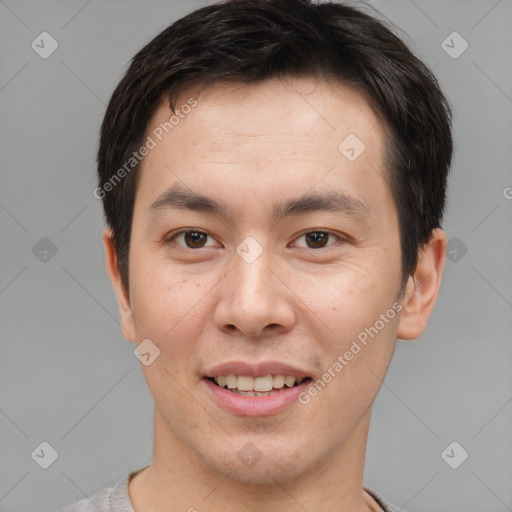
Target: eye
[
  {"x": 193, "y": 239},
  {"x": 317, "y": 239}
]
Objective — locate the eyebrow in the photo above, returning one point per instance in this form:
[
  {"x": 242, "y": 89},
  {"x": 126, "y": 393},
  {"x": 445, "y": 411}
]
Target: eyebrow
[{"x": 179, "y": 198}]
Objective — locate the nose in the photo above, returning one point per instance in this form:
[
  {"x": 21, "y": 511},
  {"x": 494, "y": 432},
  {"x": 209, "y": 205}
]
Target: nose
[{"x": 253, "y": 299}]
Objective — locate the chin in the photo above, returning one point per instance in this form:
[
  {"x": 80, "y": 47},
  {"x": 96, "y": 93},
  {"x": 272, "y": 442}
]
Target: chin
[
  {"x": 261, "y": 466},
  {"x": 262, "y": 474}
]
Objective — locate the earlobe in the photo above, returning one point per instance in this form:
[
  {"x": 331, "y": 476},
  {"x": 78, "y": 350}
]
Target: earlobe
[
  {"x": 423, "y": 287},
  {"x": 123, "y": 299}
]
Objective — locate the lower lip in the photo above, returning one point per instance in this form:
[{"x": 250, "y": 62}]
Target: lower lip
[{"x": 255, "y": 405}]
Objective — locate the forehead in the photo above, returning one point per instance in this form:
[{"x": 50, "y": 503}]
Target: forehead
[
  {"x": 289, "y": 107},
  {"x": 270, "y": 137}
]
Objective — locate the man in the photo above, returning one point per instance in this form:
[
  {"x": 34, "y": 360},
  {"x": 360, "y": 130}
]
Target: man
[{"x": 273, "y": 174}]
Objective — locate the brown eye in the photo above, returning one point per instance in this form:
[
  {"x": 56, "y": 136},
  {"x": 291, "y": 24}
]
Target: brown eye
[
  {"x": 192, "y": 239},
  {"x": 317, "y": 239},
  {"x": 195, "y": 239}
]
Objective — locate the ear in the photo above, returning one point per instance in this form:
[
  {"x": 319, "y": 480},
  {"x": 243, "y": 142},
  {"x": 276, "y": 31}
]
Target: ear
[
  {"x": 123, "y": 299},
  {"x": 423, "y": 287}
]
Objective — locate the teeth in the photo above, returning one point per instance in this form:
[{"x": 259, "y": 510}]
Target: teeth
[
  {"x": 265, "y": 383},
  {"x": 279, "y": 381},
  {"x": 247, "y": 384},
  {"x": 253, "y": 393},
  {"x": 289, "y": 381},
  {"x": 231, "y": 381}
]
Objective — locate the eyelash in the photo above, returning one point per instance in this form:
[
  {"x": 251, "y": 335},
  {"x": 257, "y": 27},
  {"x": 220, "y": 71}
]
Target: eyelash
[{"x": 175, "y": 235}]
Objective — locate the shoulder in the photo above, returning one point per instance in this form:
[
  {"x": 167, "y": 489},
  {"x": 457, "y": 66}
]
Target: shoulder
[
  {"x": 109, "y": 499},
  {"x": 99, "y": 501},
  {"x": 383, "y": 503}
]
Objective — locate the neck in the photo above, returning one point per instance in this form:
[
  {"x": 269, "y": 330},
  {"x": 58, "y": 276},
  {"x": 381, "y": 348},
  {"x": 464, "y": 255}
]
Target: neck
[{"x": 179, "y": 480}]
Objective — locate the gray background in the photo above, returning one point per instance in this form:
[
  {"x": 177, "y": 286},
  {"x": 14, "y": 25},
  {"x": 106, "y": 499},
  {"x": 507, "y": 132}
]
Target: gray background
[{"x": 68, "y": 377}]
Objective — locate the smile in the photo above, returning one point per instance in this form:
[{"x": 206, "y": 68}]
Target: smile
[
  {"x": 247, "y": 385},
  {"x": 250, "y": 402}
]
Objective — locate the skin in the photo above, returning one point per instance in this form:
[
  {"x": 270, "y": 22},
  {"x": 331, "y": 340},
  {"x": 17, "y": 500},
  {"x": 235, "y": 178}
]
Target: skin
[{"x": 250, "y": 147}]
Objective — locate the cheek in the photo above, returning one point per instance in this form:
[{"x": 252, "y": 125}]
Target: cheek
[
  {"x": 350, "y": 298},
  {"x": 353, "y": 372},
  {"x": 160, "y": 295},
  {"x": 357, "y": 313},
  {"x": 170, "y": 310},
  {"x": 170, "y": 313}
]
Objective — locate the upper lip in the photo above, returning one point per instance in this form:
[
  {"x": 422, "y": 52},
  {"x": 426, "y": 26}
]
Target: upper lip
[{"x": 256, "y": 369}]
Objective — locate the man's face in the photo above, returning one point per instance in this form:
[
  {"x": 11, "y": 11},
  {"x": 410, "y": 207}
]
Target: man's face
[{"x": 248, "y": 285}]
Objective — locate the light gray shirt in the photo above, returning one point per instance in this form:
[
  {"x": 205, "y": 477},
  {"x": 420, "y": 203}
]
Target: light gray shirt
[{"x": 116, "y": 499}]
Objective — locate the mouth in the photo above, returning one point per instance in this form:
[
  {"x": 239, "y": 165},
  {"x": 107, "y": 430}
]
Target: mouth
[
  {"x": 266, "y": 385},
  {"x": 275, "y": 398},
  {"x": 261, "y": 388}
]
